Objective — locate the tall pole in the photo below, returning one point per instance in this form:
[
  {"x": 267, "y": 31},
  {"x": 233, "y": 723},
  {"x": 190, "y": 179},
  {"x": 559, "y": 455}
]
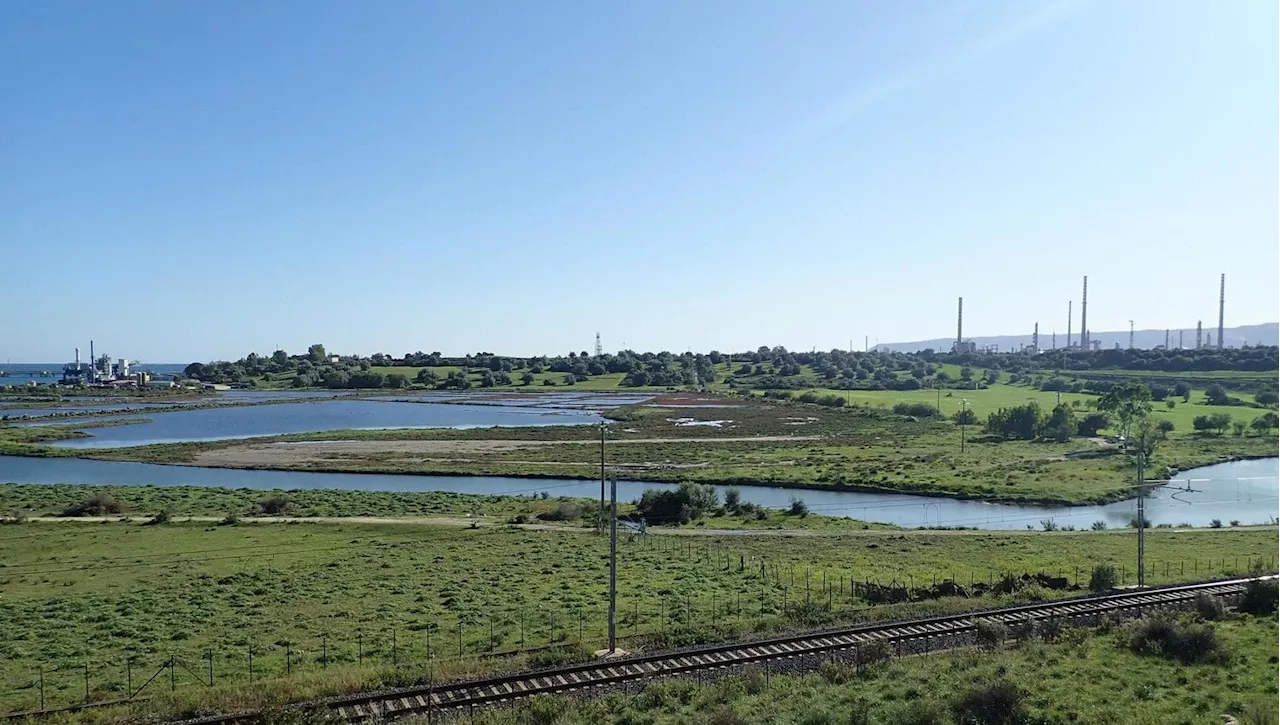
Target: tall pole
[
  {"x": 600, "y": 517},
  {"x": 1142, "y": 523},
  {"x": 963, "y": 401},
  {"x": 1222, "y": 303},
  {"x": 613, "y": 567},
  {"x": 1069, "y": 302},
  {"x": 1084, "y": 315}
]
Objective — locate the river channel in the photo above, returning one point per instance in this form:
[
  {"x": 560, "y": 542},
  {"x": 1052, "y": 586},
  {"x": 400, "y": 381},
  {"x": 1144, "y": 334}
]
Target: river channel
[{"x": 1243, "y": 491}]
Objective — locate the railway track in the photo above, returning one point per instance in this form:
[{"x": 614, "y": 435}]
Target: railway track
[{"x": 911, "y": 637}]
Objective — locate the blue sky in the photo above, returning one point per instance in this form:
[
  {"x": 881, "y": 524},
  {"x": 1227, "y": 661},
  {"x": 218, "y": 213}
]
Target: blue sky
[{"x": 197, "y": 180}]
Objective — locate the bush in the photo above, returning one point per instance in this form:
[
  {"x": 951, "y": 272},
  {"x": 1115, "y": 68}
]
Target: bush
[
  {"x": 1209, "y": 607},
  {"x": 1103, "y": 578},
  {"x": 1098, "y": 525},
  {"x": 918, "y": 712},
  {"x": 99, "y": 504},
  {"x": 231, "y": 519},
  {"x": 685, "y": 504},
  {"x": 273, "y": 505},
  {"x": 1186, "y": 643},
  {"x": 159, "y": 519},
  {"x": 566, "y": 511},
  {"x": 1259, "y": 597},
  {"x": 733, "y": 499},
  {"x": 990, "y": 633},
  {"x": 1091, "y": 424},
  {"x": 798, "y": 508},
  {"x": 916, "y": 410},
  {"x": 1215, "y": 524},
  {"x": 996, "y": 703}
]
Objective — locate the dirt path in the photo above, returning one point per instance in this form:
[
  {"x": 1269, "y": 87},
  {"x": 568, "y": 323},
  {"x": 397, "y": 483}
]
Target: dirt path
[{"x": 297, "y": 453}]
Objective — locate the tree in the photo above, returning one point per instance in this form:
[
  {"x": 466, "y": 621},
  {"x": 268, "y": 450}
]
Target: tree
[
  {"x": 1164, "y": 427},
  {"x": 1020, "y": 422},
  {"x": 1266, "y": 397},
  {"x": 1265, "y": 422},
  {"x": 280, "y": 358},
  {"x": 1092, "y": 423},
  {"x": 965, "y": 416},
  {"x": 1237, "y": 428},
  {"x": 316, "y": 353},
  {"x": 1202, "y": 424},
  {"x": 397, "y": 380},
  {"x": 426, "y": 376},
  {"x": 527, "y": 378},
  {"x": 1061, "y": 423},
  {"x": 1182, "y": 390},
  {"x": 1128, "y": 403},
  {"x": 966, "y": 373},
  {"x": 1217, "y": 395},
  {"x": 1220, "y": 422}
]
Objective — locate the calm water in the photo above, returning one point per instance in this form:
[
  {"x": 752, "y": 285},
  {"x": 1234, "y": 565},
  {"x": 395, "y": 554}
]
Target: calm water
[
  {"x": 211, "y": 424},
  {"x": 1242, "y": 490}
]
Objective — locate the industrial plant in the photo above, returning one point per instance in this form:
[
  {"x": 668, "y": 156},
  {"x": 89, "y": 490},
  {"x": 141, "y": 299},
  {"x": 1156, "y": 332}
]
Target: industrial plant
[
  {"x": 101, "y": 371},
  {"x": 1084, "y": 341}
]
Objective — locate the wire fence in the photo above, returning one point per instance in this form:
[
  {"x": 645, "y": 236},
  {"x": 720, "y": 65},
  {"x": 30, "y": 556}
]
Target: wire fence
[{"x": 784, "y": 593}]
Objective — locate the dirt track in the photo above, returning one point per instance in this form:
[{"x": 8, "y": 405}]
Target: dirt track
[{"x": 295, "y": 454}]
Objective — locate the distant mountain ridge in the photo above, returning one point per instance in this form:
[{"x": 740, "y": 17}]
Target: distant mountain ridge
[{"x": 1264, "y": 334}]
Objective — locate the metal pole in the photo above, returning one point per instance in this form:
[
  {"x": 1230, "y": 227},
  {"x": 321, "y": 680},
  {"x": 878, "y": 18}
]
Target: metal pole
[
  {"x": 1142, "y": 523},
  {"x": 600, "y": 518},
  {"x": 613, "y": 565}
]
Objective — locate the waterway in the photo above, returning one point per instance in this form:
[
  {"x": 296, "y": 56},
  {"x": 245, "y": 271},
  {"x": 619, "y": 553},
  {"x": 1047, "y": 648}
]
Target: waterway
[
  {"x": 1243, "y": 491},
  {"x": 232, "y": 422}
]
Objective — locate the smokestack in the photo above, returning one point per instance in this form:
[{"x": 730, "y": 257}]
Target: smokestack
[
  {"x": 1069, "y": 302},
  {"x": 1166, "y": 338},
  {"x": 959, "y": 320},
  {"x": 1222, "y": 303},
  {"x": 1179, "y": 339},
  {"x": 1084, "y": 315},
  {"x": 1130, "y": 334},
  {"x": 1055, "y": 339},
  {"x": 1035, "y": 337},
  {"x": 1199, "y": 336},
  {"x": 77, "y": 358}
]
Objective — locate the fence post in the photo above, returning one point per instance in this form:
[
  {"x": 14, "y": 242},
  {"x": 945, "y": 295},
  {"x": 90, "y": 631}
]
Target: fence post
[{"x": 395, "y": 653}]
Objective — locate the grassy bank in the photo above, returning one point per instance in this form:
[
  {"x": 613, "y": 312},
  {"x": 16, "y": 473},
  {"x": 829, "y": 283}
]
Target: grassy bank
[{"x": 337, "y": 594}]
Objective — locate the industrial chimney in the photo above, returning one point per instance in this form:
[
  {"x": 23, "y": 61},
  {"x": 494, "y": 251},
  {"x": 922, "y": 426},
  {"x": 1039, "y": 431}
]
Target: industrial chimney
[
  {"x": 1222, "y": 303},
  {"x": 1084, "y": 315},
  {"x": 959, "y": 321},
  {"x": 1069, "y": 303}
]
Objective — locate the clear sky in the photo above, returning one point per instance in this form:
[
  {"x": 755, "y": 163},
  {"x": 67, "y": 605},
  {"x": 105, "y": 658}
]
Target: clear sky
[{"x": 185, "y": 180}]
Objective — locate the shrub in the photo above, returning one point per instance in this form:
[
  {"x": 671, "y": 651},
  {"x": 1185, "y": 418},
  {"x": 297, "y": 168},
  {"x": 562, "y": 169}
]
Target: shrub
[
  {"x": 1098, "y": 526},
  {"x": 685, "y": 504},
  {"x": 99, "y": 504},
  {"x": 1215, "y": 524},
  {"x": 916, "y": 410},
  {"x": 273, "y": 505},
  {"x": 1103, "y": 578},
  {"x": 874, "y": 653},
  {"x": 1235, "y": 522},
  {"x": 1186, "y": 643},
  {"x": 231, "y": 519},
  {"x": 1259, "y": 597},
  {"x": 733, "y": 499},
  {"x": 798, "y": 508},
  {"x": 159, "y": 519},
  {"x": 996, "y": 703},
  {"x": 1209, "y": 607},
  {"x": 990, "y": 633},
  {"x": 566, "y": 511},
  {"x": 919, "y": 712}
]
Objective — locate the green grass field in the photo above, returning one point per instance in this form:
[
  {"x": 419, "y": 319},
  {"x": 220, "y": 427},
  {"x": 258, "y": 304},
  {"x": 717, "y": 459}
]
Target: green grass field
[
  {"x": 1089, "y": 676},
  {"x": 96, "y": 595}
]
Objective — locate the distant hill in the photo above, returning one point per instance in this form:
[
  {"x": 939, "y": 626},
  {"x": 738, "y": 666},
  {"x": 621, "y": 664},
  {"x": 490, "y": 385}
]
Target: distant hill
[{"x": 1264, "y": 334}]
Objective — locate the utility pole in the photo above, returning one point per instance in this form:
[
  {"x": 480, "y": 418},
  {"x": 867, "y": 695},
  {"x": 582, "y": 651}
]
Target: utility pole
[
  {"x": 600, "y": 517},
  {"x": 1142, "y": 522},
  {"x": 613, "y": 567},
  {"x": 963, "y": 402}
]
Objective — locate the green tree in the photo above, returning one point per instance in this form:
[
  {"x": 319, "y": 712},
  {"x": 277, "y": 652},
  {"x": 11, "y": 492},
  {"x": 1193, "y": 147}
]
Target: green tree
[
  {"x": 1165, "y": 427},
  {"x": 1220, "y": 422},
  {"x": 527, "y": 378},
  {"x": 1266, "y": 397},
  {"x": 1263, "y": 424},
  {"x": 1092, "y": 423},
  {"x": 965, "y": 416},
  {"x": 316, "y": 353},
  {"x": 280, "y": 358},
  {"x": 1061, "y": 423},
  {"x": 1128, "y": 403},
  {"x": 1217, "y": 395},
  {"x": 426, "y": 376}
]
